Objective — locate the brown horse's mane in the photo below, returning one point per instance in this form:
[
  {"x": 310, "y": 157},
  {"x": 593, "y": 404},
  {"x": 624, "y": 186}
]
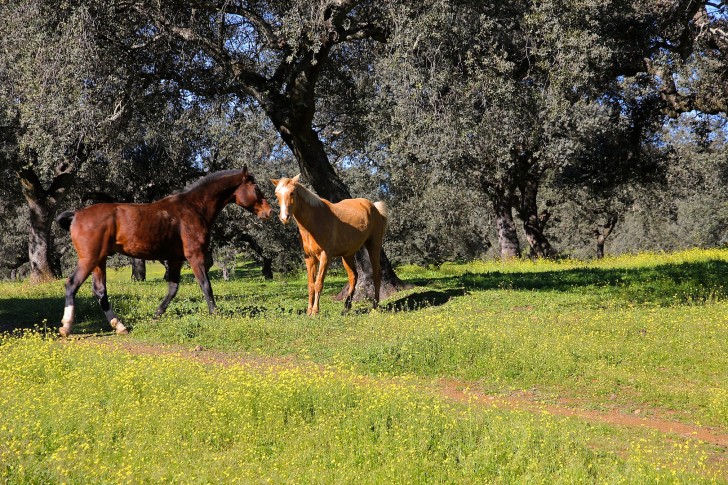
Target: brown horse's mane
[{"x": 208, "y": 179}]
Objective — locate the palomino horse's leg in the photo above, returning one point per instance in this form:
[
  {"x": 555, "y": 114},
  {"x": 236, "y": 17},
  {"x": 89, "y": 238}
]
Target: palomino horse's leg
[
  {"x": 197, "y": 262},
  {"x": 319, "y": 285},
  {"x": 73, "y": 283},
  {"x": 99, "y": 285},
  {"x": 350, "y": 267},
  {"x": 173, "y": 271},
  {"x": 374, "y": 248},
  {"x": 311, "y": 263}
]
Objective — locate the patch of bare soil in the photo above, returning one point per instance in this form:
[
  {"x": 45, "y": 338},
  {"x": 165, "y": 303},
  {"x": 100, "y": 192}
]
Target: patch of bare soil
[
  {"x": 523, "y": 401},
  {"x": 452, "y": 389}
]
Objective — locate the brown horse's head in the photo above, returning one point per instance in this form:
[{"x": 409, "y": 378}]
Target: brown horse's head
[
  {"x": 285, "y": 194},
  {"x": 249, "y": 196}
]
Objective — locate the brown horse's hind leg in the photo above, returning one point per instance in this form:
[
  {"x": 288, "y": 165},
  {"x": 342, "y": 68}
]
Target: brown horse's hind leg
[
  {"x": 350, "y": 268},
  {"x": 173, "y": 271},
  {"x": 374, "y": 248},
  {"x": 73, "y": 283},
  {"x": 99, "y": 286},
  {"x": 197, "y": 262}
]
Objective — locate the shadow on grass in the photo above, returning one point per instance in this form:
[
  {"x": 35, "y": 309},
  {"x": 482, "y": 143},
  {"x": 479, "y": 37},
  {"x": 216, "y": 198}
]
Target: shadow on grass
[
  {"x": 46, "y": 313},
  {"x": 667, "y": 284},
  {"x": 418, "y": 300}
]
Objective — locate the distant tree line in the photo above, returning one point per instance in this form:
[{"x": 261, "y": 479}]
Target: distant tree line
[{"x": 506, "y": 128}]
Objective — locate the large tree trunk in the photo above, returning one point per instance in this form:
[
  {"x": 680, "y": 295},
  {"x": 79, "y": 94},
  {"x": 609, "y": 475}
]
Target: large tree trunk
[
  {"x": 138, "y": 269},
  {"x": 39, "y": 241},
  {"x": 534, "y": 222},
  {"x": 510, "y": 247},
  {"x": 43, "y": 205}
]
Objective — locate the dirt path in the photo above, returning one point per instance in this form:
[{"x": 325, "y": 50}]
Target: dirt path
[{"x": 449, "y": 388}]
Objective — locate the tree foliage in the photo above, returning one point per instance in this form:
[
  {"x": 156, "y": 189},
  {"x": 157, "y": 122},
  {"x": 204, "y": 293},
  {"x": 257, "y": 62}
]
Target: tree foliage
[{"x": 568, "y": 125}]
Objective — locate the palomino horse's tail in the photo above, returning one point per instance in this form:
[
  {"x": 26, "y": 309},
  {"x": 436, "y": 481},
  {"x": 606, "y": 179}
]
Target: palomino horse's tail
[
  {"x": 384, "y": 211},
  {"x": 64, "y": 219}
]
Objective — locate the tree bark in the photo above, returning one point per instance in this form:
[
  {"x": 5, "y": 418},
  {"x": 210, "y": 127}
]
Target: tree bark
[
  {"x": 510, "y": 246},
  {"x": 602, "y": 232},
  {"x": 534, "y": 222},
  {"x": 266, "y": 262},
  {"x": 43, "y": 204},
  {"x": 267, "y": 268},
  {"x": 138, "y": 269},
  {"x": 40, "y": 241}
]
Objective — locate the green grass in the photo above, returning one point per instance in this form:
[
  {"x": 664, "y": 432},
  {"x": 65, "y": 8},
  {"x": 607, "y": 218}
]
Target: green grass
[
  {"x": 646, "y": 332},
  {"x": 82, "y": 414}
]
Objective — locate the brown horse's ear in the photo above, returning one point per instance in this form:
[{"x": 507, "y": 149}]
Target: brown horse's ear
[
  {"x": 245, "y": 170},
  {"x": 275, "y": 181},
  {"x": 295, "y": 179}
]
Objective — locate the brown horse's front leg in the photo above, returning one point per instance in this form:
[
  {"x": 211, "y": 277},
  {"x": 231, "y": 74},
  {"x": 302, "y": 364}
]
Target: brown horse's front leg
[
  {"x": 319, "y": 285},
  {"x": 197, "y": 262},
  {"x": 74, "y": 281},
  {"x": 311, "y": 273}
]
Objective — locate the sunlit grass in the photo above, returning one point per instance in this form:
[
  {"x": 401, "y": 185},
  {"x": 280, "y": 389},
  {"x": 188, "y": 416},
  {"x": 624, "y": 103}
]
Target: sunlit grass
[
  {"x": 79, "y": 413},
  {"x": 640, "y": 333}
]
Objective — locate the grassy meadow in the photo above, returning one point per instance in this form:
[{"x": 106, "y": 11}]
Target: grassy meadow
[{"x": 283, "y": 397}]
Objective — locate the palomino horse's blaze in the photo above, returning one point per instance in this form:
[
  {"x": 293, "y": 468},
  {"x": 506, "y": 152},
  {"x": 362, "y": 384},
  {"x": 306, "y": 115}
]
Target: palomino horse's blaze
[
  {"x": 332, "y": 230},
  {"x": 175, "y": 229}
]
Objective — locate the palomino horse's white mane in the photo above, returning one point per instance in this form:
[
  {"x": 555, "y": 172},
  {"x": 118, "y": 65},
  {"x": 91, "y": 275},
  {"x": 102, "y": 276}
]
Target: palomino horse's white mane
[{"x": 306, "y": 195}]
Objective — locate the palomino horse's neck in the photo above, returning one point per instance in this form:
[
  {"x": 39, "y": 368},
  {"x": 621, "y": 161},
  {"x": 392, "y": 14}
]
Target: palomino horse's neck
[
  {"x": 309, "y": 209},
  {"x": 212, "y": 195}
]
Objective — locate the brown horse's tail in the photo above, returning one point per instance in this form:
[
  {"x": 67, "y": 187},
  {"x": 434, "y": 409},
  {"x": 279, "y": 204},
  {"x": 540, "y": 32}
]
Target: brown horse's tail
[
  {"x": 384, "y": 211},
  {"x": 64, "y": 219}
]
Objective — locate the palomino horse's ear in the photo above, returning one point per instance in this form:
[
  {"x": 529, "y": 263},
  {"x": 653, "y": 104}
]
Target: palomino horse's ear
[
  {"x": 275, "y": 181},
  {"x": 295, "y": 179}
]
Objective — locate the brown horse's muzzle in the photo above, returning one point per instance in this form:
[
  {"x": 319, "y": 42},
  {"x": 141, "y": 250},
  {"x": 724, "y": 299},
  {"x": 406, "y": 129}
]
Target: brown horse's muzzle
[{"x": 262, "y": 210}]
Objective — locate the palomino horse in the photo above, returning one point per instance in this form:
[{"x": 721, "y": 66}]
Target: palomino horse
[
  {"x": 176, "y": 228},
  {"x": 332, "y": 230}
]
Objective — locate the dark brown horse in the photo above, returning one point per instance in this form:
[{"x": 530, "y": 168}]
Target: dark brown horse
[{"x": 176, "y": 228}]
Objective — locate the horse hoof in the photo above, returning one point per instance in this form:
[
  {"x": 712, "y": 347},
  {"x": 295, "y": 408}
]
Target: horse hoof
[
  {"x": 64, "y": 332},
  {"x": 118, "y": 326}
]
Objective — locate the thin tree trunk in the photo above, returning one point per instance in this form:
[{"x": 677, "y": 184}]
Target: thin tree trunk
[
  {"x": 138, "y": 269},
  {"x": 603, "y": 232},
  {"x": 267, "y": 268}
]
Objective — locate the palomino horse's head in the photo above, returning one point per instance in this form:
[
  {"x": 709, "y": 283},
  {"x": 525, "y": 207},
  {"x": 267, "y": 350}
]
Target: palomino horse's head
[
  {"x": 249, "y": 196},
  {"x": 285, "y": 194}
]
